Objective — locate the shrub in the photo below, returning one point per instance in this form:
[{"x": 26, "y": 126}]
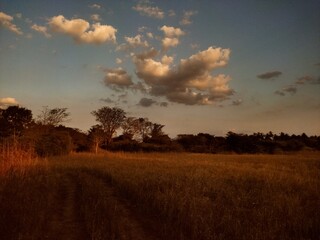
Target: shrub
[{"x": 53, "y": 144}]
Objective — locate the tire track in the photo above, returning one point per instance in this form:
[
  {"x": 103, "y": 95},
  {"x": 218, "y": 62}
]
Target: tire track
[
  {"x": 129, "y": 224},
  {"x": 65, "y": 221}
]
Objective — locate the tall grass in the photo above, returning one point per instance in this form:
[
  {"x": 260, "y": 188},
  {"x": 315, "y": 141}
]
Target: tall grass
[
  {"x": 177, "y": 196},
  {"x": 16, "y": 157},
  {"x": 198, "y": 196}
]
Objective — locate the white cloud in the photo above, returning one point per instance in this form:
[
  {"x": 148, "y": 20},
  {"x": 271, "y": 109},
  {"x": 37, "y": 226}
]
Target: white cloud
[
  {"x": 190, "y": 82},
  {"x": 166, "y": 60},
  {"x": 145, "y": 9},
  {"x": 149, "y": 35},
  {"x": 172, "y": 35},
  {"x": 81, "y": 31},
  {"x": 19, "y": 15},
  {"x": 172, "y": 31},
  {"x": 6, "y": 22},
  {"x": 170, "y": 42},
  {"x": 41, "y": 29},
  {"x": 96, "y": 17},
  {"x": 186, "y": 17},
  {"x": 136, "y": 41},
  {"x": 8, "y": 101}
]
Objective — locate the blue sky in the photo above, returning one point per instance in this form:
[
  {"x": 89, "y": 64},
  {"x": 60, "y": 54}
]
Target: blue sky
[{"x": 194, "y": 66}]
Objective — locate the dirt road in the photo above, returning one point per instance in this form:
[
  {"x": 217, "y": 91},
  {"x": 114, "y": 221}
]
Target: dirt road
[{"x": 84, "y": 205}]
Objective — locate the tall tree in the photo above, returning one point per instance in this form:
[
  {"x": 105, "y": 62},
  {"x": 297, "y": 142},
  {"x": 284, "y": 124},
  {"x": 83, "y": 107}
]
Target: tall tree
[
  {"x": 53, "y": 117},
  {"x": 110, "y": 119},
  {"x": 14, "y": 120}
]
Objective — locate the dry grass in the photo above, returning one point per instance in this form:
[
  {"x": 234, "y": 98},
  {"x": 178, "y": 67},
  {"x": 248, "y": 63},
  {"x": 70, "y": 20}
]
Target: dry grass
[
  {"x": 181, "y": 196},
  {"x": 14, "y": 157}
]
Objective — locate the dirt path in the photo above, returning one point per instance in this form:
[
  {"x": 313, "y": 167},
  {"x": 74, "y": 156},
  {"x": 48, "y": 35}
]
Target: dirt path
[
  {"x": 130, "y": 225},
  {"x": 66, "y": 221}
]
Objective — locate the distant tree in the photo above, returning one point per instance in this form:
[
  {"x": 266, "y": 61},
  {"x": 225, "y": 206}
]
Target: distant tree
[
  {"x": 144, "y": 128},
  {"x": 96, "y": 137},
  {"x": 130, "y": 127},
  {"x": 156, "y": 130},
  {"x": 14, "y": 120},
  {"x": 110, "y": 119},
  {"x": 53, "y": 117}
]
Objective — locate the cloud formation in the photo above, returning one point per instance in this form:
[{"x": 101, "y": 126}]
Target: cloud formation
[
  {"x": 144, "y": 9},
  {"x": 41, "y": 29},
  {"x": 287, "y": 90},
  {"x": 190, "y": 82},
  {"x": 6, "y": 22},
  {"x": 307, "y": 80},
  {"x": 171, "y": 36},
  {"x": 237, "y": 102},
  {"x": 81, "y": 31},
  {"x": 8, "y": 101},
  {"x": 186, "y": 19},
  {"x": 270, "y": 75},
  {"x": 146, "y": 102},
  {"x": 117, "y": 78},
  {"x": 95, "y": 17}
]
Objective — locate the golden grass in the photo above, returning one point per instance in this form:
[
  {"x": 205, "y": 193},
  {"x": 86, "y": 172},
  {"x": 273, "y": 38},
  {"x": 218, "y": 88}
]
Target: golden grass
[{"x": 185, "y": 196}]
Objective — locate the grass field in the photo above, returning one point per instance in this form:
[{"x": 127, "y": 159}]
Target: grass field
[{"x": 162, "y": 196}]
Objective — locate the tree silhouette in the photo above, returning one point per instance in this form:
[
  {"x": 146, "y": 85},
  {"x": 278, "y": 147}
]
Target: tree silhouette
[
  {"x": 52, "y": 117},
  {"x": 14, "y": 120},
  {"x": 110, "y": 119},
  {"x": 96, "y": 137}
]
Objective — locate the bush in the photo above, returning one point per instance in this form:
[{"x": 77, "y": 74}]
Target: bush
[{"x": 54, "y": 144}]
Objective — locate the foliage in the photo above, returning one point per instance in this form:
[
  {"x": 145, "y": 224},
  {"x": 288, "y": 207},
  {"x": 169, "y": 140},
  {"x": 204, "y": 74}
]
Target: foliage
[
  {"x": 96, "y": 137},
  {"x": 110, "y": 119},
  {"x": 53, "y": 117},
  {"x": 14, "y": 120},
  {"x": 53, "y": 144}
]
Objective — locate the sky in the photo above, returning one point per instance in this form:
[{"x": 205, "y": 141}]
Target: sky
[{"x": 194, "y": 66}]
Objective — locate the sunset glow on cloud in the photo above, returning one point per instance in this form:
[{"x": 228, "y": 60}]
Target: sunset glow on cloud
[{"x": 214, "y": 66}]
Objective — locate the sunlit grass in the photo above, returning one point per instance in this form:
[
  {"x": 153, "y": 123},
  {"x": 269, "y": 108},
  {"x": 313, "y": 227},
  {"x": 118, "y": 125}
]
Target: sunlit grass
[{"x": 184, "y": 196}]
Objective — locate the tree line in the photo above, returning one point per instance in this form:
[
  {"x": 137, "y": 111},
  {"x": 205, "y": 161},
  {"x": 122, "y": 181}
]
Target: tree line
[{"x": 47, "y": 135}]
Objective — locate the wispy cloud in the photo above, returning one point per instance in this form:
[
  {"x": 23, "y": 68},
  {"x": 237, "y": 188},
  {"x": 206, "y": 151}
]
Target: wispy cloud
[
  {"x": 95, "y": 6},
  {"x": 81, "y": 31},
  {"x": 307, "y": 80},
  {"x": 96, "y": 17},
  {"x": 145, "y": 9},
  {"x": 41, "y": 29},
  {"x": 186, "y": 19},
  {"x": 287, "y": 90},
  {"x": 132, "y": 43},
  {"x": 270, "y": 75},
  {"x": 171, "y": 13},
  {"x": 237, "y": 102},
  {"x": 6, "y": 22}
]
